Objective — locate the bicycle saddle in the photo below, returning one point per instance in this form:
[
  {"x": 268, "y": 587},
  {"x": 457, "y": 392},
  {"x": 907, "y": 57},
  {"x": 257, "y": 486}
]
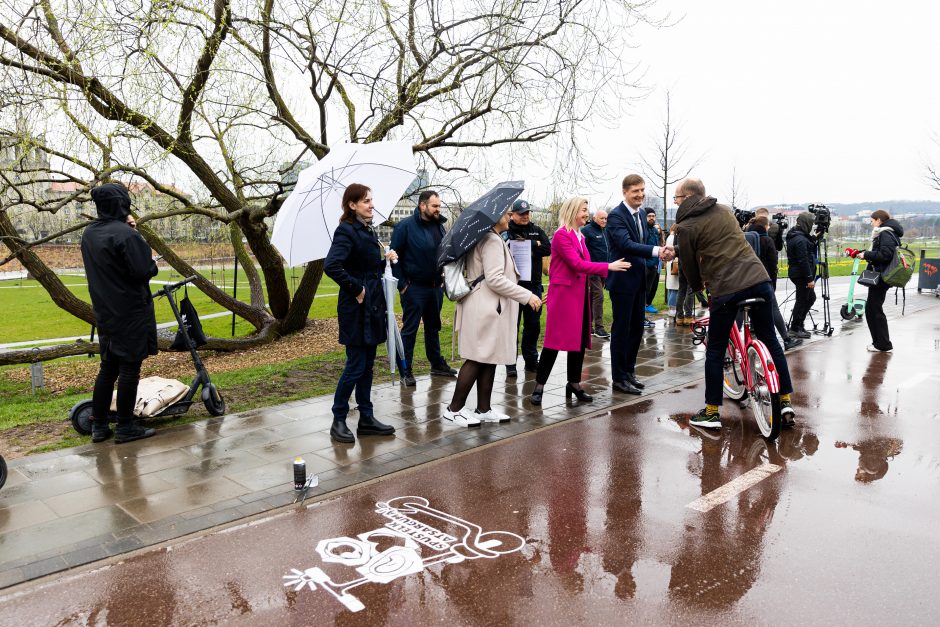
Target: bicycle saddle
[{"x": 750, "y": 301}]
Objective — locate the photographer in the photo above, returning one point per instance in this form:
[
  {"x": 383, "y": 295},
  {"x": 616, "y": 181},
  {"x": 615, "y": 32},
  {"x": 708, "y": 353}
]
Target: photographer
[
  {"x": 801, "y": 256},
  {"x": 767, "y": 253}
]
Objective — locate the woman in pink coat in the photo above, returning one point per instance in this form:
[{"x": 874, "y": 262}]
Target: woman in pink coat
[{"x": 567, "y": 325}]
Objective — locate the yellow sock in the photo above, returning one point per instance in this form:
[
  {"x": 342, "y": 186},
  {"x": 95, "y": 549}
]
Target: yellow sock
[
  {"x": 711, "y": 410},
  {"x": 784, "y": 398}
]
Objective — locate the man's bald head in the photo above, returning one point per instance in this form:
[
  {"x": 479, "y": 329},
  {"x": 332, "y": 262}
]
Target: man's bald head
[
  {"x": 600, "y": 218},
  {"x": 692, "y": 187}
]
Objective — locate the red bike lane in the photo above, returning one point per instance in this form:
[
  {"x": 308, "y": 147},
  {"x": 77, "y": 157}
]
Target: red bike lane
[{"x": 627, "y": 516}]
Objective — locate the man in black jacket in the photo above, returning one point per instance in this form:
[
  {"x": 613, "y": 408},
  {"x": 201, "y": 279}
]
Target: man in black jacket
[
  {"x": 767, "y": 253},
  {"x": 118, "y": 266},
  {"x": 801, "y": 257},
  {"x": 599, "y": 251},
  {"x": 421, "y": 286},
  {"x": 522, "y": 229}
]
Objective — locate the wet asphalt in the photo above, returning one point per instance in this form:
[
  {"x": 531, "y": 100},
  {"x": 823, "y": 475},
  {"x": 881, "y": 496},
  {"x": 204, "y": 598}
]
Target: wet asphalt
[{"x": 589, "y": 521}]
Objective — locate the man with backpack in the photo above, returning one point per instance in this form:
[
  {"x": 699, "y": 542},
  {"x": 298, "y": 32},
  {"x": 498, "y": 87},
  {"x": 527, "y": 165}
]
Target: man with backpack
[
  {"x": 758, "y": 236},
  {"x": 886, "y": 237}
]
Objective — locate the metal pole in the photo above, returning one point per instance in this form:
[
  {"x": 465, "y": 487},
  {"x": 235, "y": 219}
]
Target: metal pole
[{"x": 235, "y": 292}]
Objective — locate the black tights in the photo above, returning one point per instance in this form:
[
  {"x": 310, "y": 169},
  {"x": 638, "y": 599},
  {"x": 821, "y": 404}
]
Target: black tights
[
  {"x": 474, "y": 372},
  {"x": 547, "y": 361},
  {"x": 127, "y": 375}
]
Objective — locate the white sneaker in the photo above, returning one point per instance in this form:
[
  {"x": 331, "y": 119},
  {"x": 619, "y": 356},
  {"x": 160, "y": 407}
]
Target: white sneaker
[
  {"x": 457, "y": 418},
  {"x": 871, "y": 349},
  {"x": 492, "y": 416}
]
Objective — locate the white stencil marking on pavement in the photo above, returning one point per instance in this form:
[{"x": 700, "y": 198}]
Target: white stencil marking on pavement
[
  {"x": 422, "y": 545},
  {"x": 734, "y": 487}
]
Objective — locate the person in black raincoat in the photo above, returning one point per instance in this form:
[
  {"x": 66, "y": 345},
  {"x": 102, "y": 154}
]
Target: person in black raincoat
[
  {"x": 801, "y": 259},
  {"x": 886, "y": 237},
  {"x": 356, "y": 261},
  {"x": 119, "y": 266}
]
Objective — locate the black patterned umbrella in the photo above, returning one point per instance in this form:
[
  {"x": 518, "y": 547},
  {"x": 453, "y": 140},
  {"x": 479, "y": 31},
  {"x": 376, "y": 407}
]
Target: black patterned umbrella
[{"x": 478, "y": 218}]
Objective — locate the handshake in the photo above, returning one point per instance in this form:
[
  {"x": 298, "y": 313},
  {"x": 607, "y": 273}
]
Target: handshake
[{"x": 667, "y": 253}]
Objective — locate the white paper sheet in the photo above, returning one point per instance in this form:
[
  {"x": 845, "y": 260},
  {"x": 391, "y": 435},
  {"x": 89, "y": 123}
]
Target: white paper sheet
[{"x": 522, "y": 256}]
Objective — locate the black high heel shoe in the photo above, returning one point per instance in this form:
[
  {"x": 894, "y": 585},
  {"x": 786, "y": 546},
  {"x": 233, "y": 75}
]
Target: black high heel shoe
[
  {"x": 582, "y": 396},
  {"x": 536, "y": 398}
]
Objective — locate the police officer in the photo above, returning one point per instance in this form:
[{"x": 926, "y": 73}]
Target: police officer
[{"x": 522, "y": 229}]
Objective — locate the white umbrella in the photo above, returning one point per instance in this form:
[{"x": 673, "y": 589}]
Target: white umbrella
[{"x": 303, "y": 229}]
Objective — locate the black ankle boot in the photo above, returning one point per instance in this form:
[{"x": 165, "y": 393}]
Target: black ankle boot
[
  {"x": 128, "y": 430},
  {"x": 100, "y": 431},
  {"x": 339, "y": 432},
  {"x": 536, "y": 398},
  {"x": 582, "y": 396},
  {"x": 368, "y": 425}
]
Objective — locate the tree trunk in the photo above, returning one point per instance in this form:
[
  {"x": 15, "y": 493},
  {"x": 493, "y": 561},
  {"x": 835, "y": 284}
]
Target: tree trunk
[
  {"x": 296, "y": 317},
  {"x": 60, "y": 294}
]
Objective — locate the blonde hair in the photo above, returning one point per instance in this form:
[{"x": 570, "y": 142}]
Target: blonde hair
[{"x": 569, "y": 212}]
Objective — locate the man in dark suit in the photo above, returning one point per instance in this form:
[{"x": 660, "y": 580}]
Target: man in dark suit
[{"x": 626, "y": 232}]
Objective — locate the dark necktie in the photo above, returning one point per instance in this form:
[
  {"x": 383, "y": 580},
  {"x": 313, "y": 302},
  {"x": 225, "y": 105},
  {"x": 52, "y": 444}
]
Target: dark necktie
[{"x": 639, "y": 227}]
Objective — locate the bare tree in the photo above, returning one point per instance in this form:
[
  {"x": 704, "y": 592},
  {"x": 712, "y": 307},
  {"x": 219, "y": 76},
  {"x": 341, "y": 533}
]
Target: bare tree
[
  {"x": 671, "y": 165},
  {"x": 933, "y": 172},
  {"x": 226, "y": 98},
  {"x": 737, "y": 197}
]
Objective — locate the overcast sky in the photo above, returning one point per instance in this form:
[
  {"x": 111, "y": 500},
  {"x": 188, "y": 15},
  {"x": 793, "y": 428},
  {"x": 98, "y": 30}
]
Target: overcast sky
[{"x": 811, "y": 101}]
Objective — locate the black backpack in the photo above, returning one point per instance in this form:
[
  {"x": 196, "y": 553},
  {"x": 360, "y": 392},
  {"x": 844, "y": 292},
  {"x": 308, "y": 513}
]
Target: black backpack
[
  {"x": 753, "y": 238},
  {"x": 193, "y": 327}
]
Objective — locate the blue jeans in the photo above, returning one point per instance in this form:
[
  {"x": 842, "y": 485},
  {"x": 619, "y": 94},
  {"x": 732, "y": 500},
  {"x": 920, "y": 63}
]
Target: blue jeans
[
  {"x": 722, "y": 314},
  {"x": 357, "y": 374},
  {"x": 421, "y": 303}
]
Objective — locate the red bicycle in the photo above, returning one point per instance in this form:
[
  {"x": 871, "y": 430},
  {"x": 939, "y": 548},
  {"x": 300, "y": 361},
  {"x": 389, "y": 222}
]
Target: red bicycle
[{"x": 749, "y": 370}]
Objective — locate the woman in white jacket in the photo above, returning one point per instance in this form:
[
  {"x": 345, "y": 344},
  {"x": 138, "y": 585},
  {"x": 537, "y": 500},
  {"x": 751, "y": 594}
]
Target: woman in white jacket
[{"x": 487, "y": 326}]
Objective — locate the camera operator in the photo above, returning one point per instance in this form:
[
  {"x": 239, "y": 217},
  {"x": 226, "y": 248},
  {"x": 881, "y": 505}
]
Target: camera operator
[
  {"x": 801, "y": 256},
  {"x": 768, "y": 257}
]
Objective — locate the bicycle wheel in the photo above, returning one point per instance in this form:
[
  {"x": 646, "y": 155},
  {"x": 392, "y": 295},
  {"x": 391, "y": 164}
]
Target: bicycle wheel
[
  {"x": 764, "y": 403},
  {"x": 733, "y": 383}
]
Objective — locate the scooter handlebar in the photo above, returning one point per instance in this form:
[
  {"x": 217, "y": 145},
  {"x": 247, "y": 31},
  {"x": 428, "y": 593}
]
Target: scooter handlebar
[{"x": 173, "y": 286}]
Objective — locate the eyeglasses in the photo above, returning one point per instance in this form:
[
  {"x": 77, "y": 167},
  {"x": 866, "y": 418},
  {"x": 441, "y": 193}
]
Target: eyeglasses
[{"x": 678, "y": 196}]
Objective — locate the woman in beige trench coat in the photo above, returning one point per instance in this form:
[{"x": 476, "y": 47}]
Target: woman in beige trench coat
[{"x": 487, "y": 326}]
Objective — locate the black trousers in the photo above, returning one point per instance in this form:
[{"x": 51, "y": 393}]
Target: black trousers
[
  {"x": 805, "y": 297},
  {"x": 685, "y": 303},
  {"x": 722, "y": 314},
  {"x": 876, "y": 318},
  {"x": 127, "y": 375},
  {"x": 531, "y": 326},
  {"x": 420, "y": 303},
  {"x": 575, "y": 358},
  {"x": 652, "y": 283},
  {"x": 626, "y": 331},
  {"x": 357, "y": 375}
]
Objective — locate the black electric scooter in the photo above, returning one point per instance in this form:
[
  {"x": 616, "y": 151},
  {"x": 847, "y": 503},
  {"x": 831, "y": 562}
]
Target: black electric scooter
[
  {"x": 3, "y": 471},
  {"x": 81, "y": 414}
]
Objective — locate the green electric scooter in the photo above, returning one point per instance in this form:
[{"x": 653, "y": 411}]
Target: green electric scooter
[{"x": 854, "y": 308}]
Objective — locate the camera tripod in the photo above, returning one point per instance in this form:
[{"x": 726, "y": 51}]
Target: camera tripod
[{"x": 822, "y": 264}]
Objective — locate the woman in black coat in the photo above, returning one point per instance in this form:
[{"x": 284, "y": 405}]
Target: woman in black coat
[
  {"x": 118, "y": 266},
  {"x": 356, "y": 261},
  {"x": 885, "y": 239}
]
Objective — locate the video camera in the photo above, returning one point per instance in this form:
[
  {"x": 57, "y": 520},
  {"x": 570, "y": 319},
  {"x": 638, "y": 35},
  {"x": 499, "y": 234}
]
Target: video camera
[
  {"x": 781, "y": 221},
  {"x": 744, "y": 216},
  {"x": 823, "y": 217}
]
